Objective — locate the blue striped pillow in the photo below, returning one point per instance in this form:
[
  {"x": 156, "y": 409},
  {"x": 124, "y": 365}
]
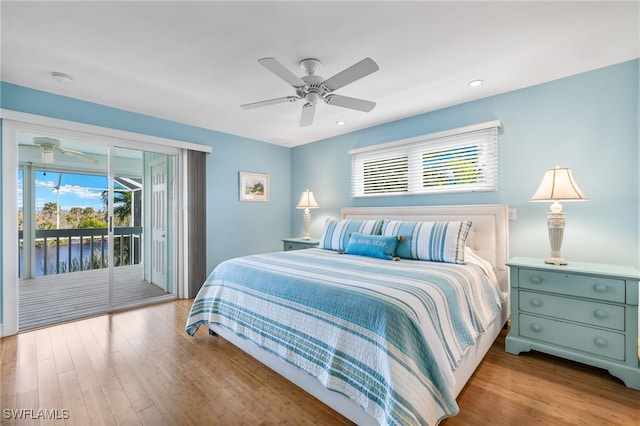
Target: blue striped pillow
[
  {"x": 336, "y": 233},
  {"x": 433, "y": 241}
]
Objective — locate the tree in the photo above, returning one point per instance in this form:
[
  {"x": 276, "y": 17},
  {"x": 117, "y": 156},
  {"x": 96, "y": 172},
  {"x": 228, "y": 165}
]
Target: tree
[
  {"x": 74, "y": 217},
  {"x": 50, "y": 210},
  {"x": 46, "y": 218},
  {"x": 92, "y": 223},
  {"x": 121, "y": 205}
]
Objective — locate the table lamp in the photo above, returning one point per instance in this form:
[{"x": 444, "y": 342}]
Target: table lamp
[
  {"x": 307, "y": 202},
  {"x": 557, "y": 185}
]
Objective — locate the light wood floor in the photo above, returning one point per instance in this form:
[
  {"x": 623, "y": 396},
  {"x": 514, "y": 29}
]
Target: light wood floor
[
  {"x": 56, "y": 298},
  {"x": 140, "y": 367}
]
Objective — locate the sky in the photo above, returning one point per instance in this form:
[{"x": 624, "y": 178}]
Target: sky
[{"x": 76, "y": 190}]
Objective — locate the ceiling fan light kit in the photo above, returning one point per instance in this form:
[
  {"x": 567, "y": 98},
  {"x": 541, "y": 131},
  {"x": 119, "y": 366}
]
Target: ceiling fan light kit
[{"x": 313, "y": 88}]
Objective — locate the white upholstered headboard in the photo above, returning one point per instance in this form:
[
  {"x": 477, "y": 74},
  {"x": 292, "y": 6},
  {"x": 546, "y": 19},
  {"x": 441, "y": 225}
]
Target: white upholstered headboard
[{"x": 488, "y": 237}]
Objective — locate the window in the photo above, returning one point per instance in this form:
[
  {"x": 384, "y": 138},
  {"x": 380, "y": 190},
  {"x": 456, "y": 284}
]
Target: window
[
  {"x": 458, "y": 160},
  {"x": 386, "y": 175}
]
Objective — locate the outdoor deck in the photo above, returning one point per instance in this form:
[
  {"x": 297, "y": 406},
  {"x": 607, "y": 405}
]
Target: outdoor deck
[{"x": 56, "y": 298}]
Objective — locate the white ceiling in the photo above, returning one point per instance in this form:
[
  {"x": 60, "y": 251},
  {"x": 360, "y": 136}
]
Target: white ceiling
[{"x": 196, "y": 62}]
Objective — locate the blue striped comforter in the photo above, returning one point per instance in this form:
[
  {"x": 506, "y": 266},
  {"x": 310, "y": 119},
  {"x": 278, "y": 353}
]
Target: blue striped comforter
[{"x": 386, "y": 334}]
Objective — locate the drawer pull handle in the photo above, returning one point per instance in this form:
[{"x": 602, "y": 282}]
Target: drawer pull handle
[
  {"x": 536, "y": 327},
  {"x": 535, "y": 279},
  {"x": 601, "y": 288},
  {"x": 601, "y": 314},
  {"x": 536, "y": 302},
  {"x": 600, "y": 342}
]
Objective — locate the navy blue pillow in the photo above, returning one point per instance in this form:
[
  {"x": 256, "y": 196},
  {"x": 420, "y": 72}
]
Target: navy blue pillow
[{"x": 382, "y": 247}]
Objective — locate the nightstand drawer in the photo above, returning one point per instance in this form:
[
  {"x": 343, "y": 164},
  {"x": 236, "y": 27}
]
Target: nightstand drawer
[
  {"x": 605, "y": 289},
  {"x": 593, "y": 313},
  {"x": 289, "y": 245},
  {"x": 591, "y": 340},
  {"x": 299, "y": 243}
]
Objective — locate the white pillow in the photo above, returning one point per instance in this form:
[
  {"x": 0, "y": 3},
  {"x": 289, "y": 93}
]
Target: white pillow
[{"x": 472, "y": 257}]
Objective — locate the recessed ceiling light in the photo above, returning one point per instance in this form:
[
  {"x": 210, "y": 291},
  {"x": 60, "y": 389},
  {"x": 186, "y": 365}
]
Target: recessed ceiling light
[
  {"x": 339, "y": 123},
  {"x": 61, "y": 77},
  {"x": 475, "y": 83}
]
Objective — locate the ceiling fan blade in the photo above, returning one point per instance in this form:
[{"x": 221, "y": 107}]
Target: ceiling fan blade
[
  {"x": 79, "y": 155},
  {"x": 278, "y": 69},
  {"x": 351, "y": 74},
  {"x": 270, "y": 102},
  {"x": 308, "y": 111},
  {"x": 351, "y": 103},
  {"x": 29, "y": 147}
]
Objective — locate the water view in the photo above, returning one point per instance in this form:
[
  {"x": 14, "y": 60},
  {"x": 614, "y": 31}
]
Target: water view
[{"x": 89, "y": 260}]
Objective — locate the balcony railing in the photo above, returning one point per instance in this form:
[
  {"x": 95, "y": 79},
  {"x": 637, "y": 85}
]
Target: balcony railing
[{"x": 65, "y": 250}]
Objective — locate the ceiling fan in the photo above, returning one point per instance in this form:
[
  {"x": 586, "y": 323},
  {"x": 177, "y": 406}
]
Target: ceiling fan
[
  {"x": 49, "y": 145},
  {"x": 312, "y": 87}
]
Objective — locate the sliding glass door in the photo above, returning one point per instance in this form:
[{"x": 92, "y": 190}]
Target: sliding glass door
[
  {"x": 143, "y": 228},
  {"x": 96, "y": 227},
  {"x": 63, "y": 236}
]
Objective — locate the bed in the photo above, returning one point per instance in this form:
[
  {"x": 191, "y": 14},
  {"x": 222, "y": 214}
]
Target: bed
[{"x": 380, "y": 340}]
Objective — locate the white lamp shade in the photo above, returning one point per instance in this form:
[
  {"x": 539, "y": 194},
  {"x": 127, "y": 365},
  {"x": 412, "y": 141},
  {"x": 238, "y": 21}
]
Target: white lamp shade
[
  {"x": 307, "y": 201},
  {"x": 558, "y": 185}
]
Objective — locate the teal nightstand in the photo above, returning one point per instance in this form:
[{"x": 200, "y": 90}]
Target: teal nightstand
[
  {"x": 299, "y": 243},
  {"x": 585, "y": 312}
]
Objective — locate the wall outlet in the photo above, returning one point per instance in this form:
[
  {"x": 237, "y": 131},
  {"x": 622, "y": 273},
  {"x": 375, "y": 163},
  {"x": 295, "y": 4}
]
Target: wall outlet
[{"x": 513, "y": 214}]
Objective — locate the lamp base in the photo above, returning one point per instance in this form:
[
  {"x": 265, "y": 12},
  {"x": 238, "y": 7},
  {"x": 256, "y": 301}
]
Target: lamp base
[
  {"x": 307, "y": 220},
  {"x": 555, "y": 224}
]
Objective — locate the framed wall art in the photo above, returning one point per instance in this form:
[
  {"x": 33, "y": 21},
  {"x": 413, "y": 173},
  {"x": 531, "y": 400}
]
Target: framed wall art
[{"x": 254, "y": 186}]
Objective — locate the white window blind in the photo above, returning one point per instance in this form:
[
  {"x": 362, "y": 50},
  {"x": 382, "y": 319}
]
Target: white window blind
[{"x": 458, "y": 160}]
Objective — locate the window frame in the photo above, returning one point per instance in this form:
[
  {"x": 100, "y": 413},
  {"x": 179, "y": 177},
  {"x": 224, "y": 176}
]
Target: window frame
[{"x": 483, "y": 136}]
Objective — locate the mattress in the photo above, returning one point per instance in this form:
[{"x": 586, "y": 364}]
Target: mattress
[{"x": 386, "y": 334}]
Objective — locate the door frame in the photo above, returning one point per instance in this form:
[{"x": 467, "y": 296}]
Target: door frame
[
  {"x": 14, "y": 122},
  {"x": 151, "y": 202}
]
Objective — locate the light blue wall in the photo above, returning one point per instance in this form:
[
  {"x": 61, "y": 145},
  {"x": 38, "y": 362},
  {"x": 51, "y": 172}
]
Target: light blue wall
[
  {"x": 588, "y": 122},
  {"x": 233, "y": 228}
]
